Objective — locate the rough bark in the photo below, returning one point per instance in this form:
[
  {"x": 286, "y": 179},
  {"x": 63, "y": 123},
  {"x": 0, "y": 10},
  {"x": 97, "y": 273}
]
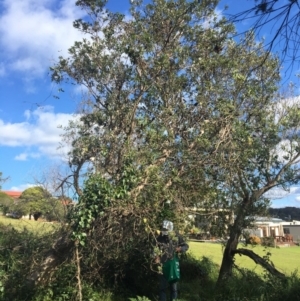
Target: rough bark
[{"x": 259, "y": 260}]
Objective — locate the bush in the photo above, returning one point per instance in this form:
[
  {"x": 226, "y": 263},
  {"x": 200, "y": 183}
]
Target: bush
[
  {"x": 195, "y": 230},
  {"x": 253, "y": 240},
  {"x": 200, "y": 269},
  {"x": 268, "y": 242}
]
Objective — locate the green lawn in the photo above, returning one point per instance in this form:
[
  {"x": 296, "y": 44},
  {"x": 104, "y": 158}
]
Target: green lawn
[
  {"x": 286, "y": 259},
  {"x": 31, "y": 225}
]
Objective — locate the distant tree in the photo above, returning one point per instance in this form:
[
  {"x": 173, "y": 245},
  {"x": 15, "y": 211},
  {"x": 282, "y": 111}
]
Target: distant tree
[
  {"x": 34, "y": 201},
  {"x": 6, "y": 203},
  {"x": 286, "y": 213}
]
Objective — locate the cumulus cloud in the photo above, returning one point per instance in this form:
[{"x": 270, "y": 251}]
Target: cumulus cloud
[
  {"x": 33, "y": 33},
  {"x": 42, "y": 129}
]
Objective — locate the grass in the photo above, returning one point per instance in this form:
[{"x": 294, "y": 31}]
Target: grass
[
  {"x": 31, "y": 225},
  {"x": 286, "y": 260}
]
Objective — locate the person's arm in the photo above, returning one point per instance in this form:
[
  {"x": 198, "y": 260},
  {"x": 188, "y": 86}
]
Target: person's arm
[{"x": 182, "y": 246}]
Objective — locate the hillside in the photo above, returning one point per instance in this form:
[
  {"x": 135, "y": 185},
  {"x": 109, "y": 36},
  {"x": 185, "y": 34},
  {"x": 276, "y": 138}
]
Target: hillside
[{"x": 287, "y": 213}]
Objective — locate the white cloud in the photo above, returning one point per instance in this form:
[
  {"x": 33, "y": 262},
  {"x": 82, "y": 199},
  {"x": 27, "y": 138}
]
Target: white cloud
[
  {"x": 21, "y": 157},
  {"x": 282, "y": 198},
  {"x": 276, "y": 193},
  {"x": 33, "y": 33},
  {"x": 41, "y": 130},
  {"x": 21, "y": 187},
  {"x": 25, "y": 156}
]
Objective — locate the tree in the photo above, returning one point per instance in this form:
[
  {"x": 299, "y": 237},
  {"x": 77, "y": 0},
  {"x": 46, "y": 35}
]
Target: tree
[
  {"x": 34, "y": 201},
  {"x": 268, "y": 156},
  {"x": 177, "y": 112},
  {"x": 6, "y": 202}
]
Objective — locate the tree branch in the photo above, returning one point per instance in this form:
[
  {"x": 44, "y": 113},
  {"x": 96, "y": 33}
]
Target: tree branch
[{"x": 259, "y": 260}]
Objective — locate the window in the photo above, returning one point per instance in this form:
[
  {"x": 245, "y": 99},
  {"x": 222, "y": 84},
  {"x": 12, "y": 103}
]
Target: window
[{"x": 286, "y": 230}]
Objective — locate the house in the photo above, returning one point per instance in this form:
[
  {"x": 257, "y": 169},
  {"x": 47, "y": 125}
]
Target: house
[
  {"x": 13, "y": 194},
  {"x": 277, "y": 228}
]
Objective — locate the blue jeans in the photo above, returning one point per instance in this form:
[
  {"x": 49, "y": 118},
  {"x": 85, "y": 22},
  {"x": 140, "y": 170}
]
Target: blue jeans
[{"x": 163, "y": 285}]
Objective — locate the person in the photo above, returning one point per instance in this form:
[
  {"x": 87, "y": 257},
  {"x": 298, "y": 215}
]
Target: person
[{"x": 168, "y": 243}]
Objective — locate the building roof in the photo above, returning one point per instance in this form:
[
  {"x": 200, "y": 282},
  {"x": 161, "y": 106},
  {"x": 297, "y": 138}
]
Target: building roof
[
  {"x": 268, "y": 219},
  {"x": 13, "y": 194}
]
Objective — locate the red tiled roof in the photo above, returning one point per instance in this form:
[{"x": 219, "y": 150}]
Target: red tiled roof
[{"x": 13, "y": 194}]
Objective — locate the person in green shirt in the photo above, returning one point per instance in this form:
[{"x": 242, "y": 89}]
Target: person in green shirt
[{"x": 169, "y": 245}]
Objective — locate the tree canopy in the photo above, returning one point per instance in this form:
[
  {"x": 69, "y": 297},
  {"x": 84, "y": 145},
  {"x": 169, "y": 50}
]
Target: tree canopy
[
  {"x": 175, "y": 112},
  {"x": 37, "y": 201}
]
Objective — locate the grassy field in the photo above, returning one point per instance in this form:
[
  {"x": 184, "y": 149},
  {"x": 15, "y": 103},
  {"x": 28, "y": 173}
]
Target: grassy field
[
  {"x": 31, "y": 225},
  {"x": 286, "y": 259}
]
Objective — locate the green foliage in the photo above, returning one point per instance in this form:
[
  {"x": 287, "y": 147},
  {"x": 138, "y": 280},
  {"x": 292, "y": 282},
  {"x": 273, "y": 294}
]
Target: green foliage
[
  {"x": 203, "y": 269},
  {"x": 18, "y": 251},
  {"x": 194, "y": 110},
  {"x": 37, "y": 201},
  {"x": 6, "y": 203},
  {"x": 99, "y": 195}
]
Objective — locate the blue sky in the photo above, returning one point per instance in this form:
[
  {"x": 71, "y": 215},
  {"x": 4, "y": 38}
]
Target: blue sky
[{"x": 33, "y": 33}]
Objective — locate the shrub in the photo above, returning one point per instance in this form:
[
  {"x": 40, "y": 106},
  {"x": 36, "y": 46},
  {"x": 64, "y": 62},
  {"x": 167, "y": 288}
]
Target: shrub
[
  {"x": 192, "y": 268},
  {"x": 195, "y": 230},
  {"x": 268, "y": 242},
  {"x": 254, "y": 240}
]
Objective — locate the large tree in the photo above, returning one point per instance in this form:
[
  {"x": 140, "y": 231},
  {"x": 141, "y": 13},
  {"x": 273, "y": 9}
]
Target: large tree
[
  {"x": 176, "y": 112},
  {"x": 267, "y": 155}
]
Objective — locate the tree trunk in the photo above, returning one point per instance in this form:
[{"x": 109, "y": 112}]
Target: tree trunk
[
  {"x": 228, "y": 256},
  {"x": 232, "y": 243}
]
